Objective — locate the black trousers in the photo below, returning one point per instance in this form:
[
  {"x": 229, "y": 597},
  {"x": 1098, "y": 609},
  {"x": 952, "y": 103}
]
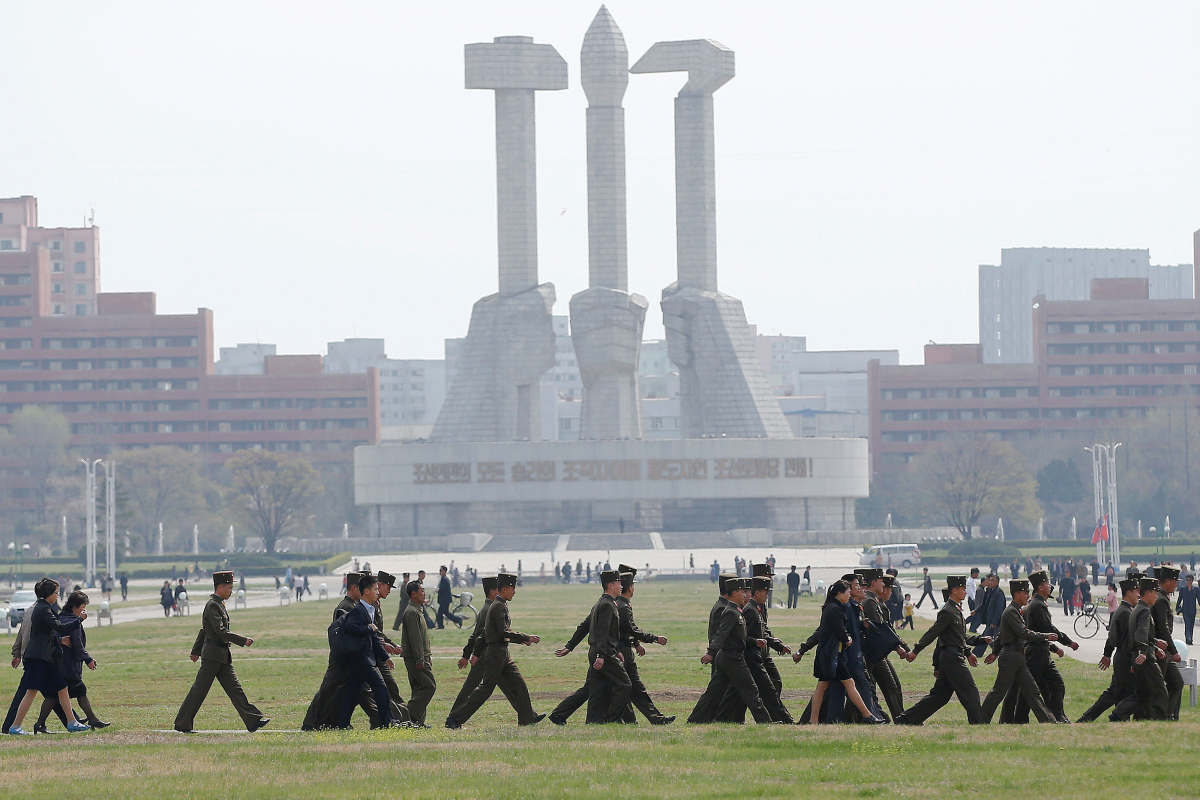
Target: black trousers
[
  {"x": 793, "y": 597},
  {"x": 609, "y": 691},
  {"x": 639, "y": 698},
  {"x": 1119, "y": 687},
  {"x": 887, "y": 683},
  {"x": 954, "y": 679},
  {"x": 1148, "y": 700},
  {"x": 1050, "y": 683},
  {"x": 571, "y": 703},
  {"x": 1013, "y": 677},
  {"x": 443, "y": 613},
  {"x": 323, "y": 709},
  {"x": 360, "y": 673},
  {"x": 1189, "y": 623},
  {"x": 732, "y": 709},
  {"x": 223, "y": 673},
  {"x": 1174, "y": 683},
  {"x": 729, "y": 669},
  {"x": 499, "y": 671},
  {"x": 927, "y": 593}
]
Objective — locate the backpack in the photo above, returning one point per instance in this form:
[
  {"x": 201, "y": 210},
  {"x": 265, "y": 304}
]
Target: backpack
[{"x": 341, "y": 643}]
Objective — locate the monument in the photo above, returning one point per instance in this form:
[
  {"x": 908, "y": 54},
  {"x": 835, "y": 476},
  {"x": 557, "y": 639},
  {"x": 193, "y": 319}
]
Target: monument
[
  {"x": 606, "y": 320},
  {"x": 510, "y": 341},
  {"x": 723, "y": 391},
  {"x": 483, "y": 481}
]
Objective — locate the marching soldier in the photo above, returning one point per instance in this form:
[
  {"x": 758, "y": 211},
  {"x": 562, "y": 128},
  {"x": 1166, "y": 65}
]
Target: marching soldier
[
  {"x": 387, "y": 582},
  {"x": 882, "y": 672},
  {"x": 1037, "y": 656},
  {"x": 418, "y": 658},
  {"x": 732, "y": 709},
  {"x": 608, "y": 683},
  {"x": 212, "y": 649},
  {"x": 953, "y": 675},
  {"x": 499, "y": 668},
  {"x": 473, "y": 650},
  {"x": 773, "y": 642},
  {"x": 1115, "y": 655},
  {"x": 327, "y": 700},
  {"x": 1164, "y": 629},
  {"x": 1013, "y": 673},
  {"x": 726, "y": 655},
  {"x": 632, "y": 638},
  {"x": 1149, "y": 696}
]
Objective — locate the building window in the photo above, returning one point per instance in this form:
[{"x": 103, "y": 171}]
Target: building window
[
  {"x": 7, "y": 244},
  {"x": 80, "y": 268},
  {"x": 58, "y": 267},
  {"x": 56, "y": 288},
  {"x": 58, "y": 309},
  {"x": 81, "y": 247},
  {"x": 56, "y": 245},
  {"x": 81, "y": 310},
  {"x": 81, "y": 288}
]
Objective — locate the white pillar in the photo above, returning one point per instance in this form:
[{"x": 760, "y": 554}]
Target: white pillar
[{"x": 159, "y": 548}]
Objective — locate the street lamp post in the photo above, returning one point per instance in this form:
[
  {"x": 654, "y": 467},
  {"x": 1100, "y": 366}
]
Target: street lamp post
[
  {"x": 19, "y": 561},
  {"x": 90, "y": 497}
]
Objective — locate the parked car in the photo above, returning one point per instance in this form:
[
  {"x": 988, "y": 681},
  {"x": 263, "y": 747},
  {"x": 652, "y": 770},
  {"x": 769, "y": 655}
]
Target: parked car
[
  {"x": 893, "y": 555},
  {"x": 18, "y": 604}
]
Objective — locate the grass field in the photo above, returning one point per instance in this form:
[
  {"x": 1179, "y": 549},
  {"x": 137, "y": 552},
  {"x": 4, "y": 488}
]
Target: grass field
[{"x": 144, "y": 674}]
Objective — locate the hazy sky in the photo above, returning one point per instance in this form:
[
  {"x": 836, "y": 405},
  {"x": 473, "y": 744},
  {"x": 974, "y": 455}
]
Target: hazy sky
[{"x": 315, "y": 171}]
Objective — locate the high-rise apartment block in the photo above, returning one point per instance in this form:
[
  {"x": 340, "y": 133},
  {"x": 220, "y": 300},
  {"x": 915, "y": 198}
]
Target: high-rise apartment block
[
  {"x": 1007, "y": 291},
  {"x": 72, "y": 254}
]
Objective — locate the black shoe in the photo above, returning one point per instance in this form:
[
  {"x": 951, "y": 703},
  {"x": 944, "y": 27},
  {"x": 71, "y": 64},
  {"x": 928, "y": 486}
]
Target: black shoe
[
  {"x": 535, "y": 720},
  {"x": 42, "y": 729},
  {"x": 262, "y": 723},
  {"x": 902, "y": 720},
  {"x": 557, "y": 720},
  {"x": 98, "y": 724},
  {"x": 874, "y": 721},
  {"x": 659, "y": 721},
  {"x": 184, "y": 730},
  {"x": 453, "y": 724}
]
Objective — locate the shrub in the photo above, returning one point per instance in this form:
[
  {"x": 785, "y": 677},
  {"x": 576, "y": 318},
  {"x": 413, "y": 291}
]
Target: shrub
[{"x": 985, "y": 548}]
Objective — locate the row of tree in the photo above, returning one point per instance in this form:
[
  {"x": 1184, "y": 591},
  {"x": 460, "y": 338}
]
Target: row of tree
[
  {"x": 265, "y": 494},
  {"x": 970, "y": 480}
]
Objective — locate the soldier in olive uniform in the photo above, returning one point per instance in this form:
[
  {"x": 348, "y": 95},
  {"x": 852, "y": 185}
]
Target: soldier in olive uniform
[
  {"x": 875, "y": 608},
  {"x": 726, "y": 654},
  {"x": 418, "y": 657},
  {"x": 608, "y": 683},
  {"x": 1037, "y": 657},
  {"x": 499, "y": 668},
  {"x": 767, "y": 570},
  {"x": 732, "y": 709},
  {"x": 632, "y": 639},
  {"x": 1164, "y": 630},
  {"x": 1013, "y": 672},
  {"x": 328, "y": 699},
  {"x": 212, "y": 649},
  {"x": 953, "y": 675},
  {"x": 387, "y": 582},
  {"x": 1149, "y": 697},
  {"x": 1121, "y": 685},
  {"x": 472, "y": 653}
]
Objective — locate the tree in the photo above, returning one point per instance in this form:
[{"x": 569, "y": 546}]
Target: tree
[
  {"x": 159, "y": 484},
  {"x": 39, "y": 439},
  {"x": 1060, "y": 482},
  {"x": 272, "y": 491},
  {"x": 966, "y": 478}
]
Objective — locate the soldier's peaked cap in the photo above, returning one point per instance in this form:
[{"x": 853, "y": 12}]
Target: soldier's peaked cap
[
  {"x": 889, "y": 580},
  {"x": 1148, "y": 584},
  {"x": 871, "y": 574},
  {"x": 1039, "y": 577},
  {"x": 761, "y": 570},
  {"x": 489, "y": 584},
  {"x": 505, "y": 579},
  {"x": 1129, "y": 585},
  {"x": 225, "y": 576},
  {"x": 627, "y": 580},
  {"x": 1018, "y": 585},
  {"x": 742, "y": 583},
  {"x": 1166, "y": 573},
  {"x": 627, "y": 568},
  {"x": 954, "y": 581},
  {"x": 761, "y": 583},
  {"x": 388, "y": 578},
  {"x": 608, "y": 576},
  {"x": 723, "y": 582}
]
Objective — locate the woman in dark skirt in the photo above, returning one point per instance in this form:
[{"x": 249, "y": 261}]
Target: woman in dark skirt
[
  {"x": 74, "y": 656},
  {"x": 166, "y": 598},
  {"x": 42, "y": 655},
  {"x": 830, "y": 662}
]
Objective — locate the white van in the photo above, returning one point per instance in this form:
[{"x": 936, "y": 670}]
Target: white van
[{"x": 893, "y": 555}]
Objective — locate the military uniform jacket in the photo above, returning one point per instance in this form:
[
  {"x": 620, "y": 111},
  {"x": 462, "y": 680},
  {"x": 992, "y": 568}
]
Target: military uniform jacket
[
  {"x": 414, "y": 637},
  {"x": 212, "y": 643},
  {"x": 755, "y": 630},
  {"x": 631, "y": 634},
  {"x": 949, "y": 631},
  {"x": 1118, "y": 629},
  {"x": 773, "y": 642},
  {"x": 1164, "y": 622},
  {"x": 496, "y": 630},
  {"x": 1013, "y": 630},
  {"x": 1139, "y": 639},
  {"x": 604, "y": 629},
  {"x": 728, "y": 629},
  {"x": 474, "y": 645},
  {"x": 1037, "y": 617},
  {"x": 379, "y": 622}
]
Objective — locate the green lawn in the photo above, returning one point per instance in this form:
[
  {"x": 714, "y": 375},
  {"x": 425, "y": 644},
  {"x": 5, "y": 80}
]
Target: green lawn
[{"x": 144, "y": 674}]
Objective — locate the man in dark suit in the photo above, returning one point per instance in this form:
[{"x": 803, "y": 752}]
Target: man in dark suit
[
  {"x": 445, "y": 596},
  {"x": 927, "y": 590},
  {"x": 212, "y": 649},
  {"x": 793, "y": 584},
  {"x": 362, "y": 666},
  {"x": 1188, "y": 600}
]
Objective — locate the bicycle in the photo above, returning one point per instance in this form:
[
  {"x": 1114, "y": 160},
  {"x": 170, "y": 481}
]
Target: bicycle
[
  {"x": 464, "y": 610},
  {"x": 1088, "y": 623}
]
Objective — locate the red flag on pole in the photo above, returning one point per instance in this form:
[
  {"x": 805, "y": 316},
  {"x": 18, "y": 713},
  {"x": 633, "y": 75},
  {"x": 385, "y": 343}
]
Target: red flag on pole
[{"x": 1101, "y": 532}]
